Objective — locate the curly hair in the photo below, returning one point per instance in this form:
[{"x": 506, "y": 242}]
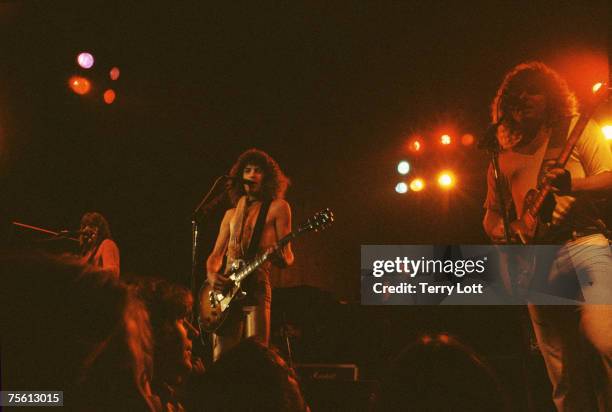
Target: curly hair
[
  {"x": 96, "y": 219},
  {"x": 561, "y": 102},
  {"x": 274, "y": 184}
]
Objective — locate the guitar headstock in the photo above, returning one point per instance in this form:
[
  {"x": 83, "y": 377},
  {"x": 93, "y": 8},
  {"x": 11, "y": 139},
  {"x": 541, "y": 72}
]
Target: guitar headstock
[
  {"x": 601, "y": 92},
  {"x": 319, "y": 221}
]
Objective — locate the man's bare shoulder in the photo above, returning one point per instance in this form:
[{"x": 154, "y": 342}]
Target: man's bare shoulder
[{"x": 279, "y": 206}]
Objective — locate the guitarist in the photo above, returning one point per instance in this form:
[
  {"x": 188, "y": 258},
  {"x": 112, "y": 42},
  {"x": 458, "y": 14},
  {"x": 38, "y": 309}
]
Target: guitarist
[
  {"x": 256, "y": 182},
  {"x": 535, "y": 111}
]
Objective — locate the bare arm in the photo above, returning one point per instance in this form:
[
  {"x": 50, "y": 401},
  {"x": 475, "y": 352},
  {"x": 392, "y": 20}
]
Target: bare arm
[
  {"x": 110, "y": 257},
  {"x": 215, "y": 260},
  {"x": 282, "y": 225},
  {"x": 596, "y": 183}
]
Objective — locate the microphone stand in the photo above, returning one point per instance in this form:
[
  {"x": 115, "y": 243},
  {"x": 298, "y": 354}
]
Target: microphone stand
[
  {"x": 55, "y": 235},
  {"x": 204, "y": 207},
  {"x": 491, "y": 144}
]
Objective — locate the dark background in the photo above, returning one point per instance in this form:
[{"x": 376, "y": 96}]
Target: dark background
[{"x": 331, "y": 91}]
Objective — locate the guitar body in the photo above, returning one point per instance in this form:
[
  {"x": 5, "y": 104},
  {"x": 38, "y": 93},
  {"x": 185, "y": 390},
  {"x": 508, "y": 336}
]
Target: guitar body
[
  {"x": 215, "y": 306},
  {"x": 526, "y": 227}
]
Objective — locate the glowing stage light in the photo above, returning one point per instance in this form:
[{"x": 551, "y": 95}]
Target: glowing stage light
[
  {"x": 85, "y": 60},
  {"x": 416, "y": 145},
  {"x": 426, "y": 339},
  {"x": 607, "y": 131},
  {"x": 79, "y": 85},
  {"x": 467, "y": 139},
  {"x": 596, "y": 87},
  {"x": 114, "y": 73},
  {"x": 109, "y": 96},
  {"x": 401, "y": 188},
  {"x": 446, "y": 180},
  {"x": 403, "y": 167},
  {"x": 445, "y": 139},
  {"x": 416, "y": 185}
]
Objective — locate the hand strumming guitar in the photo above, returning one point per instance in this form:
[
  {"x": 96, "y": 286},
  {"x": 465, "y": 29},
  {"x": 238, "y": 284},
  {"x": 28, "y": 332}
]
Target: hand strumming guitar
[{"x": 218, "y": 281}]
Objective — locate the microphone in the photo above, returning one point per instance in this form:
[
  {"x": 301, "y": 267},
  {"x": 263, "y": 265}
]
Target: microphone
[{"x": 240, "y": 180}]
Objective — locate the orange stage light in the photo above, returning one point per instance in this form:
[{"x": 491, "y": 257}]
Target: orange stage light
[
  {"x": 109, "y": 96},
  {"x": 467, "y": 139},
  {"x": 79, "y": 85},
  {"x": 446, "y": 180},
  {"x": 596, "y": 87},
  {"x": 416, "y": 185},
  {"x": 445, "y": 139}
]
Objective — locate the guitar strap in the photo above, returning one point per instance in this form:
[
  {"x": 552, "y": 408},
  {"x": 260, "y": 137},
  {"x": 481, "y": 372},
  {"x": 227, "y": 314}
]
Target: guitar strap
[
  {"x": 258, "y": 230},
  {"x": 554, "y": 145}
]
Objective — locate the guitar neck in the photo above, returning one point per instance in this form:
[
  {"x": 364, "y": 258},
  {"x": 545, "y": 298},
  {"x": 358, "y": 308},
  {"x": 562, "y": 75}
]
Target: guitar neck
[
  {"x": 581, "y": 123},
  {"x": 263, "y": 258}
]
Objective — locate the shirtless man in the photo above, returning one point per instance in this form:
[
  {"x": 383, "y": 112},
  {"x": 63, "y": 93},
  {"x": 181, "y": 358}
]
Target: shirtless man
[{"x": 255, "y": 179}]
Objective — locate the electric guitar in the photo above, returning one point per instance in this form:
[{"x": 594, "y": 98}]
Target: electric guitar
[{"x": 214, "y": 305}]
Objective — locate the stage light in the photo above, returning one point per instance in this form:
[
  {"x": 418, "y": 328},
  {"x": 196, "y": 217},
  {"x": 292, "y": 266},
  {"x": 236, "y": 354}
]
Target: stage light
[
  {"x": 426, "y": 339},
  {"x": 109, "y": 96},
  {"x": 403, "y": 167},
  {"x": 467, "y": 139},
  {"x": 401, "y": 188},
  {"x": 445, "y": 139},
  {"x": 446, "y": 180},
  {"x": 85, "y": 60},
  {"x": 416, "y": 185},
  {"x": 416, "y": 145},
  {"x": 114, "y": 73},
  {"x": 607, "y": 131},
  {"x": 79, "y": 85},
  {"x": 596, "y": 87}
]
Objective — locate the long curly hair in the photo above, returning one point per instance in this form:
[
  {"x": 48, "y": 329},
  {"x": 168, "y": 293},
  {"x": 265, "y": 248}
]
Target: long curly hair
[
  {"x": 274, "y": 183},
  {"x": 561, "y": 102}
]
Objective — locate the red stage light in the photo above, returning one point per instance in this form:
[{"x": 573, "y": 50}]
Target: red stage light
[
  {"x": 109, "y": 96},
  {"x": 445, "y": 139},
  {"x": 79, "y": 85},
  {"x": 114, "y": 73}
]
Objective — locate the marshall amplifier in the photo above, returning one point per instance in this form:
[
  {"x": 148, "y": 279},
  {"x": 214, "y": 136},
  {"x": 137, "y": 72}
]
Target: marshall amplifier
[{"x": 327, "y": 371}]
